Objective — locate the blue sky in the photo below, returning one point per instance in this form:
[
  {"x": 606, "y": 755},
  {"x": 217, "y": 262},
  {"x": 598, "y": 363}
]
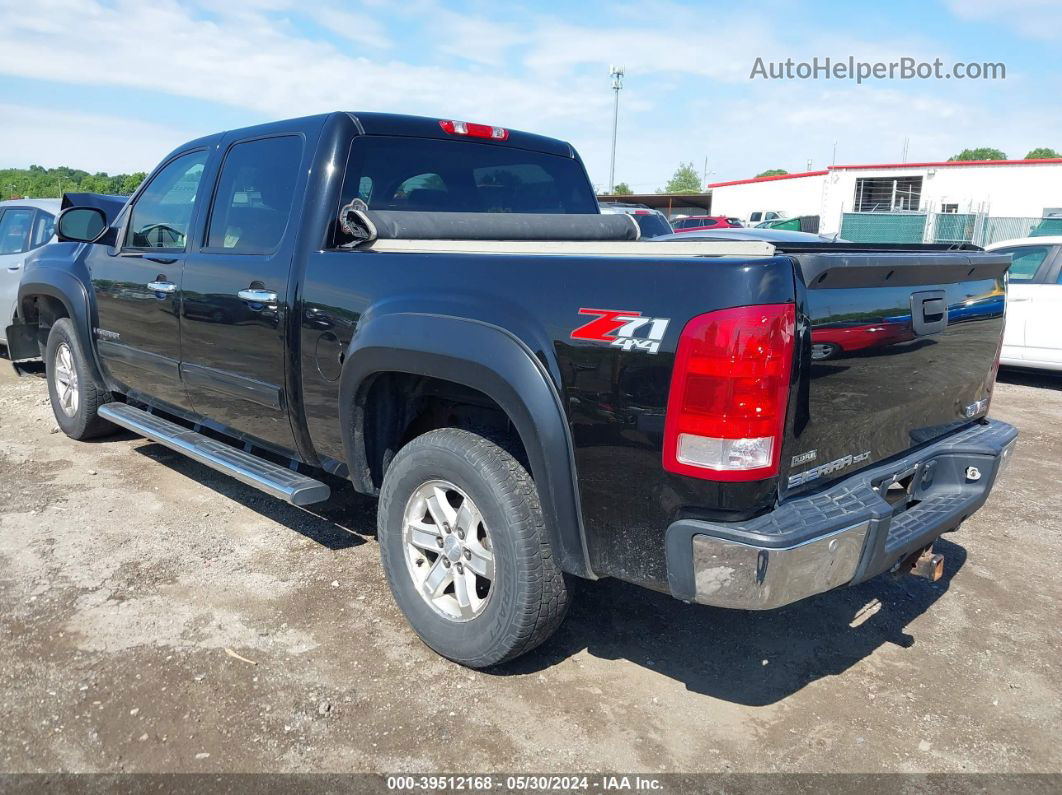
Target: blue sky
[{"x": 114, "y": 84}]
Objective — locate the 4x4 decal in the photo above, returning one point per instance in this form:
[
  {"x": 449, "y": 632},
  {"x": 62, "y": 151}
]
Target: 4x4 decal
[{"x": 618, "y": 328}]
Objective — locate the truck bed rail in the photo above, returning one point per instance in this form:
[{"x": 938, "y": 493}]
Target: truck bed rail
[{"x": 604, "y": 248}]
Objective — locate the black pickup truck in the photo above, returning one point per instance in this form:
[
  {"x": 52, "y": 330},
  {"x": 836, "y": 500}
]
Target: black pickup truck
[{"x": 436, "y": 312}]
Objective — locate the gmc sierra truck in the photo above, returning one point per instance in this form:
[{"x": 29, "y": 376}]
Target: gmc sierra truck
[{"x": 436, "y": 312}]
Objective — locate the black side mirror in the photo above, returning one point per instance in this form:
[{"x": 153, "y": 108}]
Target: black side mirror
[{"x": 81, "y": 224}]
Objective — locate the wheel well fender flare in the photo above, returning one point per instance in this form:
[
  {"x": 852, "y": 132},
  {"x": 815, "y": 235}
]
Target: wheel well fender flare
[
  {"x": 493, "y": 361},
  {"x": 72, "y": 293}
]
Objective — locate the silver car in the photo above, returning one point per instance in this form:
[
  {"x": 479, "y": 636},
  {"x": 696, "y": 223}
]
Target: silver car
[{"x": 25, "y": 224}]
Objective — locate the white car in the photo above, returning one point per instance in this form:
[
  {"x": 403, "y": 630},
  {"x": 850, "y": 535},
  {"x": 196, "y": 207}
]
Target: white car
[
  {"x": 1033, "y": 334},
  {"x": 25, "y": 224}
]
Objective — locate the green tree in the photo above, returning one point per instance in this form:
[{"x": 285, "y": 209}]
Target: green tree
[
  {"x": 772, "y": 172},
  {"x": 684, "y": 180},
  {"x": 38, "y": 182},
  {"x": 622, "y": 189},
  {"x": 131, "y": 182},
  {"x": 981, "y": 153},
  {"x": 1042, "y": 153}
]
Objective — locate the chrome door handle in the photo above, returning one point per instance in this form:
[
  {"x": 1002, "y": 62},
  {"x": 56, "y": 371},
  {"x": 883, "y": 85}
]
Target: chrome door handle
[
  {"x": 162, "y": 287},
  {"x": 258, "y": 296},
  {"x": 14, "y": 267}
]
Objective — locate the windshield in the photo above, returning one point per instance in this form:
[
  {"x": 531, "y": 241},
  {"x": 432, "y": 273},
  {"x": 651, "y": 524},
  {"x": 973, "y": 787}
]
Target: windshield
[{"x": 428, "y": 175}]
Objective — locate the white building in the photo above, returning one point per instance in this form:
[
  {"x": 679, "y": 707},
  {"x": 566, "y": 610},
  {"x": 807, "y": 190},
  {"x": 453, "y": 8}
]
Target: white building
[{"x": 999, "y": 188}]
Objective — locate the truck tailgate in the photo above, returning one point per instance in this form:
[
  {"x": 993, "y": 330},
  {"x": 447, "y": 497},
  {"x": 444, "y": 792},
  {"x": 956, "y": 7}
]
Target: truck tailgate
[{"x": 903, "y": 349}]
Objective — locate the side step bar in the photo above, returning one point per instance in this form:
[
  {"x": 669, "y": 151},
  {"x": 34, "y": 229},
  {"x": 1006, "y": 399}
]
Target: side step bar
[{"x": 252, "y": 470}]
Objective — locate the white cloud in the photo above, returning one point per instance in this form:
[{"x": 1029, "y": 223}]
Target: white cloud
[
  {"x": 533, "y": 71},
  {"x": 92, "y": 142},
  {"x": 257, "y": 65},
  {"x": 1038, "y": 19},
  {"x": 358, "y": 28}
]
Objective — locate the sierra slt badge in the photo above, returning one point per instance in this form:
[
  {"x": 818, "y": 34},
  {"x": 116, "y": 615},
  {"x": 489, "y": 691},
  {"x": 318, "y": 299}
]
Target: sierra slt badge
[
  {"x": 826, "y": 469},
  {"x": 618, "y": 328}
]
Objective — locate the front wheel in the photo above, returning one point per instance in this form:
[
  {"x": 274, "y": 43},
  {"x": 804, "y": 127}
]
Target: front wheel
[
  {"x": 465, "y": 549},
  {"x": 74, "y": 396}
]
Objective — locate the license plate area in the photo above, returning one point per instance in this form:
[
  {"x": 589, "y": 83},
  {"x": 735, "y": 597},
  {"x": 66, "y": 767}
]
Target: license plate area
[{"x": 903, "y": 490}]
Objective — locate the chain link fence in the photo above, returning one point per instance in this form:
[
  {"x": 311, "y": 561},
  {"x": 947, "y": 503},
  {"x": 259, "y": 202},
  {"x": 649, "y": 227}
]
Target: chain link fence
[
  {"x": 979, "y": 229},
  {"x": 883, "y": 227}
]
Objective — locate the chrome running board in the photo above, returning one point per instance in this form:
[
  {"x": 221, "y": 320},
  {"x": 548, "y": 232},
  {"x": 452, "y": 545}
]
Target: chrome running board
[{"x": 250, "y": 469}]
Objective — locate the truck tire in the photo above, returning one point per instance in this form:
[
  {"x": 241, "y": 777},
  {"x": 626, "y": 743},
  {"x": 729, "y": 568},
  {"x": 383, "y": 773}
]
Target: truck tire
[
  {"x": 75, "y": 398},
  {"x": 465, "y": 549}
]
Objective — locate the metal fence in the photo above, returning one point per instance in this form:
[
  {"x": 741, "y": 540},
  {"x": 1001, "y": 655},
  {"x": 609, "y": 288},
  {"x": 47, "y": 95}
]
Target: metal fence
[
  {"x": 992, "y": 230},
  {"x": 976, "y": 228},
  {"x": 883, "y": 227}
]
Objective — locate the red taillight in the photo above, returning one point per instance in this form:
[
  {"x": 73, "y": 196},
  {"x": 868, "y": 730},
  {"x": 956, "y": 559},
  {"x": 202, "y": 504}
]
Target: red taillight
[
  {"x": 729, "y": 392},
  {"x": 474, "y": 130}
]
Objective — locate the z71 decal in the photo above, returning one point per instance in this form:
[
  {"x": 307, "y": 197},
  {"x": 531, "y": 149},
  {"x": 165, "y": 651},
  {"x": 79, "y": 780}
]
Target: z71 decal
[{"x": 624, "y": 329}]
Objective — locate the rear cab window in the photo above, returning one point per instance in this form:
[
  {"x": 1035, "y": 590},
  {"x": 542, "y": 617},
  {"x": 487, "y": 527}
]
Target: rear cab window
[
  {"x": 652, "y": 225},
  {"x": 429, "y": 175}
]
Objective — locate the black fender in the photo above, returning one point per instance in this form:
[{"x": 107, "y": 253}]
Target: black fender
[
  {"x": 71, "y": 291},
  {"x": 490, "y": 359}
]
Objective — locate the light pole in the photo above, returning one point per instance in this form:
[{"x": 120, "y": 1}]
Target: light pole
[{"x": 616, "y": 73}]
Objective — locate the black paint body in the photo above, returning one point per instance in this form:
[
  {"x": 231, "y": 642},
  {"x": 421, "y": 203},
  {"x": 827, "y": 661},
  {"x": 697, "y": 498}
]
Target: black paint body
[{"x": 286, "y": 377}]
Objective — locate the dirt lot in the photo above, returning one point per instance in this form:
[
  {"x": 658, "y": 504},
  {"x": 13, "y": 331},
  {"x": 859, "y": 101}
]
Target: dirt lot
[{"x": 127, "y": 572}]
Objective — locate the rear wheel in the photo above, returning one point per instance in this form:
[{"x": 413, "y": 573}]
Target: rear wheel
[
  {"x": 465, "y": 549},
  {"x": 74, "y": 396}
]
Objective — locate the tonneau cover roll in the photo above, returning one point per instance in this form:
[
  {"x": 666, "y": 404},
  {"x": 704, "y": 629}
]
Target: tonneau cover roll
[{"x": 367, "y": 225}]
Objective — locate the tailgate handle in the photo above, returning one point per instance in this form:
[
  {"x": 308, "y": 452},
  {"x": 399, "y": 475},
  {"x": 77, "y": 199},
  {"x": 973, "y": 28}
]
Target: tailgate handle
[{"x": 929, "y": 312}]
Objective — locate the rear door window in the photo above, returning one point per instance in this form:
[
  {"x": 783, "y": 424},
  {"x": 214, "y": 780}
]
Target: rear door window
[
  {"x": 1027, "y": 261},
  {"x": 255, "y": 194},
  {"x": 15, "y": 230},
  {"x": 419, "y": 174}
]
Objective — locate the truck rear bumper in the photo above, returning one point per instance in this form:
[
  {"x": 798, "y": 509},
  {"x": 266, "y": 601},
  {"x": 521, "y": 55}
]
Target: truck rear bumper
[{"x": 849, "y": 532}]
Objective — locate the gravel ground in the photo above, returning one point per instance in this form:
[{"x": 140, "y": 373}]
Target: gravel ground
[{"x": 160, "y": 617}]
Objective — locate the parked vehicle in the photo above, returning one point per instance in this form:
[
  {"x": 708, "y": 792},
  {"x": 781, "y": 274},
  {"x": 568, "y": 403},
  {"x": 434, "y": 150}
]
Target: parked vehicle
[
  {"x": 25, "y": 225},
  {"x": 761, "y": 216},
  {"x": 1049, "y": 227},
  {"x": 1033, "y": 336},
  {"x": 437, "y": 312},
  {"x": 792, "y": 224},
  {"x": 698, "y": 223},
  {"x": 652, "y": 222},
  {"x": 834, "y": 339},
  {"x": 755, "y": 233}
]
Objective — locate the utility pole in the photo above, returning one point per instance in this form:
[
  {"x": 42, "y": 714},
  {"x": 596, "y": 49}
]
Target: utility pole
[
  {"x": 833, "y": 161},
  {"x": 616, "y": 73},
  {"x": 906, "y": 144}
]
